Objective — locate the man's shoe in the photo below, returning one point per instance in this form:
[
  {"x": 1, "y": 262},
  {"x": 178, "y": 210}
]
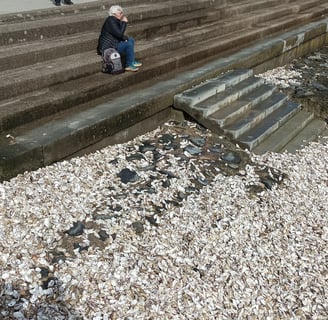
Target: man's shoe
[
  {"x": 68, "y": 2},
  {"x": 136, "y": 64},
  {"x": 131, "y": 68},
  {"x": 57, "y": 3}
]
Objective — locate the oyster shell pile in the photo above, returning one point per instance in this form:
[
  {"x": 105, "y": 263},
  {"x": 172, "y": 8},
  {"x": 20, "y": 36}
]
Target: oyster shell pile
[{"x": 176, "y": 224}]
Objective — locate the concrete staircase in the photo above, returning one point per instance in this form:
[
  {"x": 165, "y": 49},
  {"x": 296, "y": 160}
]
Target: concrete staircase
[
  {"x": 55, "y": 102},
  {"x": 253, "y": 114}
]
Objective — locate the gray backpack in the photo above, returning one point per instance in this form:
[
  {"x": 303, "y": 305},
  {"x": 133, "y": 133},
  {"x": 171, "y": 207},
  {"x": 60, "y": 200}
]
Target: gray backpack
[{"x": 112, "y": 62}]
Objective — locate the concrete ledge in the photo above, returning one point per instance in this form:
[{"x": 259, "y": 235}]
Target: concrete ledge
[{"x": 63, "y": 137}]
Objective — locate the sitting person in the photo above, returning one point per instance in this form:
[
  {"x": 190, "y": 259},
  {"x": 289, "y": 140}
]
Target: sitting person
[
  {"x": 58, "y": 2},
  {"x": 112, "y": 36}
]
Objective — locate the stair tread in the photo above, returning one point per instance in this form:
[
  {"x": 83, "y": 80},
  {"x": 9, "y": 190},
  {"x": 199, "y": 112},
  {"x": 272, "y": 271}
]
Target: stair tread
[
  {"x": 256, "y": 134},
  {"x": 278, "y": 139},
  {"x": 221, "y": 99},
  {"x": 247, "y": 101},
  {"x": 182, "y": 52},
  {"x": 263, "y": 108},
  {"x": 214, "y": 43},
  {"x": 307, "y": 135},
  {"x": 86, "y": 60}
]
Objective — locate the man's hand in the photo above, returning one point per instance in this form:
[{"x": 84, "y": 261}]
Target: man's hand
[{"x": 125, "y": 19}]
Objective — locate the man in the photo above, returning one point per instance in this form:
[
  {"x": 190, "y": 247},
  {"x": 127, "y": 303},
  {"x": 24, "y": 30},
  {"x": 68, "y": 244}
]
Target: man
[{"x": 112, "y": 36}]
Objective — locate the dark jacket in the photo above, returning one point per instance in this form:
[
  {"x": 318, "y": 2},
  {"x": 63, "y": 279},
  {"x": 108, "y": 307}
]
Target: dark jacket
[{"x": 112, "y": 32}]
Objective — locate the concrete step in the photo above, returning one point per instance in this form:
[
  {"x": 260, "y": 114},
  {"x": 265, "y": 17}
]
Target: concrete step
[
  {"x": 246, "y": 110},
  {"x": 92, "y": 6},
  {"x": 309, "y": 134},
  {"x": 280, "y": 138},
  {"x": 222, "y": 99},
  {"x": 30, "y": 53},
  {"x": 251, "y": 118},
  {"x": 240, "y": 107},
  {"x": 189, "y": 98},
  {"x": 87, "y": 42},
  {"x": 26, "y": 53},
  {"x": 24, "y": 105},
  {"x": 254, "y": 136},
  {"x": 92, "y": 21}
]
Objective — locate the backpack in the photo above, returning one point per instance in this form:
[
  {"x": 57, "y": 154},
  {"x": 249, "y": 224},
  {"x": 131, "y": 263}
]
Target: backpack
[{"x": 112, "y": 62}]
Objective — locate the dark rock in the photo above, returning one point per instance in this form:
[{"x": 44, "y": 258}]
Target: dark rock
[
  {"x": 58, "y": 257},
  {"x": 192, "y": 150},
  {"x": 182, "y": 195},
  {"x": 151, "y": 167},
  {"x": 198, "y": 141},
  {"x": 166, "y": 183},
  {"x": 44, "y": 272},
  {"x": 217, "y": 148},
  {"x": 152, "y": 220},
  {"x": 135, "y": 156},
  {"x": 169, "y": 174},
  {"x": 49, "y": 283},
  {"x": 115, "y": 207},
  {"x": 127, "y": 176},
  {"x": 202, "y": 181},
  {"x": 114, "y": 161},
  {"x": 191, "y": 189},
  {"x": 231, "y": 157},
  {"x": 81, "y": 248},
  {"x": 319, "y": 86},
  {"x": 103, "y": 235},
  {"x": 157, "y": 156},
  {"x": 76, "y": 230},
  {"x": 138, "y": 227},
  {"x": 233, "y": 166},
  {"x": 166, "y": 138},
  {"x": 171, "y": 146},
  {"x": 146, "y": 147},
  {"x": 146, "y": 189},
  {"x": 302, "y": 93}
]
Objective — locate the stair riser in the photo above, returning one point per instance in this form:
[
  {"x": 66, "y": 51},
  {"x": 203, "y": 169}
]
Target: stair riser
[
  {"x": 306, "y": 6},
  {"x": 259, "y": 117},
  {"x": 234, "y": 115},
  {"x": 94, "y": 6},
  {"x": 39, "y": 55},
  {"x": 296, "y": 131},
  {"x": 22, "y": 59},
  {"x": 249, "y": 7},
  {"x": 296, "y": 126},
  {"x": 205, "y": 52},
  {"x": 92, "y": 92},
  {"x": 31, "y": 31},
  {"x": 43, "y": 81},
  {"x": 206, "y": 112},
  {"x": 21, "y": 86},
  {"x": 53, "y": 29},
  {"x": 204, "y": 91},
  {"x": 251, "y": 145}
]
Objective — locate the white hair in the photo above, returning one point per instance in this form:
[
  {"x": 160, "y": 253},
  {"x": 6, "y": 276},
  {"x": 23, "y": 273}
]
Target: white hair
[{"x": 114, "y": 9}]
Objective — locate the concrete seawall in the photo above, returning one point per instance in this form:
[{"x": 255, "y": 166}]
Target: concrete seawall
[{"x": 147, "y": 99}]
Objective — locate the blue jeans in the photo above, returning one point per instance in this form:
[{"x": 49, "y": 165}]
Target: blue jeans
[{"x": 127, "y": 48}]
